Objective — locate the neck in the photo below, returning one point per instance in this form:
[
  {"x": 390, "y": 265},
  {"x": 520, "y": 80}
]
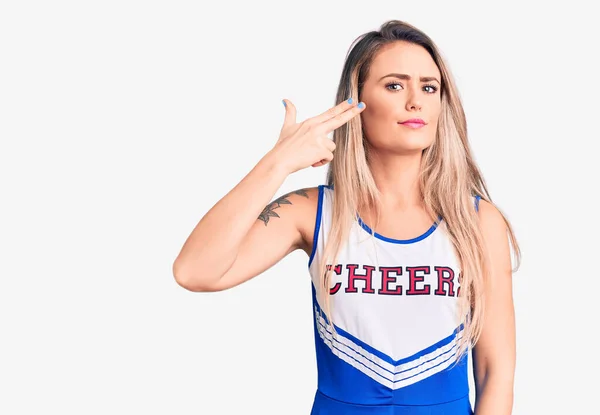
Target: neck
[{"x": 396, "y": 177}]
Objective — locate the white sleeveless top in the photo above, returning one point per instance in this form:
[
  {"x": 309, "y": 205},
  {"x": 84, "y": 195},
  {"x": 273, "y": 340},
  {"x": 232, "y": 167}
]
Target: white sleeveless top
[{"x": 394, "y": 306}]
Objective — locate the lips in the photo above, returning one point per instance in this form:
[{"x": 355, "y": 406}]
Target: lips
[{"x": 413, "y": 123}]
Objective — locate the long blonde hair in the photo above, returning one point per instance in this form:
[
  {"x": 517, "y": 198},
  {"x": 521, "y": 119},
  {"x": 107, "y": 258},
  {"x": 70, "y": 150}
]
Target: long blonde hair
[{"x": 449, "y": 179}]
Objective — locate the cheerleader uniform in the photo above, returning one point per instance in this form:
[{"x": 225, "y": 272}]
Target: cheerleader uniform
[{"x": 394, "y": 308}]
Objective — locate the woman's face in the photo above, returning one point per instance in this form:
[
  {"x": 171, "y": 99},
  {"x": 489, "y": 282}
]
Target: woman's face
[{"x": 403, "y": 83}]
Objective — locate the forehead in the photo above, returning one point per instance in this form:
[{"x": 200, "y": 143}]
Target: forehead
[{"x": 403, "y": 57}]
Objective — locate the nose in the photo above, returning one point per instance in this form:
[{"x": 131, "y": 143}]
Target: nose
[{"x": 413, "y": 103}]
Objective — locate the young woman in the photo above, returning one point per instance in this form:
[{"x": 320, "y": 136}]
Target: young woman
[{"x": 409, "y": 258}]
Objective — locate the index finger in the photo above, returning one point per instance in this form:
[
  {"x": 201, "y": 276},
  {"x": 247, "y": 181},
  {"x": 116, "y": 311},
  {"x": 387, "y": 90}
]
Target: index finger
[
  {"x": 341, "y": 119},
  {"x": 333, "y": 111}
]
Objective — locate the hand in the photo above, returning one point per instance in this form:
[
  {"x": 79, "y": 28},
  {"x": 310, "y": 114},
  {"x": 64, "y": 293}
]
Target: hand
[{"x": 306, "y": 144}]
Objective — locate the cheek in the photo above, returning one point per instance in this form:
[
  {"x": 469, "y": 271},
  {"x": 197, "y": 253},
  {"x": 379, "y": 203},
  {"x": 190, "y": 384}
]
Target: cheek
[
  {"x": 382, "y": 110},
  {"x": 377, "y": 120},
  {"x": 436, "y": 108}
]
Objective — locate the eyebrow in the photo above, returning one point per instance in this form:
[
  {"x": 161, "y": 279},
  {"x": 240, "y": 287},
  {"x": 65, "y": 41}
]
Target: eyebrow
[{"x": 408, "y": 78}]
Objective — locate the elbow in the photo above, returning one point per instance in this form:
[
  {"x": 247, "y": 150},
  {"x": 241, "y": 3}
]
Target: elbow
[
  {"x": 184, "y": 279},
  {"x": 191, "y": 282}
]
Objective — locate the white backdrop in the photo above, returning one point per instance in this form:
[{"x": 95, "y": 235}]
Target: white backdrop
[{"x": 123, "y": 122}]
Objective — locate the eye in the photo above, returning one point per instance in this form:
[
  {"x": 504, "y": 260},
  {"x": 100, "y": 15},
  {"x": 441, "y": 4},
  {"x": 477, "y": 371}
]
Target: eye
[
  {"x": 432, "y": 88},
  {"x": 390, "y": 84}
]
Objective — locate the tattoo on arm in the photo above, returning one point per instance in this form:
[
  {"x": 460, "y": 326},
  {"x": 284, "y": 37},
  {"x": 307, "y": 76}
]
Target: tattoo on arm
[{"x": 269, "y": 210}]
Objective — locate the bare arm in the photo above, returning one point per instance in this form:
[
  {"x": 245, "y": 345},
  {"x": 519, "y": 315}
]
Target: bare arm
[
  {"x": 228, "y": 245},
  {"x": 281, "y": 228},
  {"x": 494, "y": 355},
  {"x": 212, "y": 247}
]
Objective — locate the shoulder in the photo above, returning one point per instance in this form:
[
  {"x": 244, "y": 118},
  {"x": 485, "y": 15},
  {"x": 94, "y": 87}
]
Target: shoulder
[
  {"x": 494, "y": 230},
  {"x": 490, "y": 218},
  {"x": 304, "y": 197},
  {"x": 306, "y": 204},
  {"x": 300, "y": 195}
]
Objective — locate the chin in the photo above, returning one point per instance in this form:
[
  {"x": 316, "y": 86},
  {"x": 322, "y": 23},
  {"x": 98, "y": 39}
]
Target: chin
[
  {"x": 413, "y": 142},
  {"x": 405, "y": 150},
  {"x": 405, "y": 144}
]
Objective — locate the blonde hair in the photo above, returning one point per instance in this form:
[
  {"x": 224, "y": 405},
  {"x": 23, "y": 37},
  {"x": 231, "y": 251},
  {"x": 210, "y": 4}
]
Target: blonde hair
[{"x": 449, "y": 180}]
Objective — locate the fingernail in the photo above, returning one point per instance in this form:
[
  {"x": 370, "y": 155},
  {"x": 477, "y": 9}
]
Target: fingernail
[
  {"x": 349, "y": 100},
  {"x": 284, "y": 103},
  {"x": 361, "y": 105}
]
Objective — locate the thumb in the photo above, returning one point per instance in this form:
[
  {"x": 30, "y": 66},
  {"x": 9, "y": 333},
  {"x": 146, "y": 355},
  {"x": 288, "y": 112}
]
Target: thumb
[{"x": 290, "y": 113}]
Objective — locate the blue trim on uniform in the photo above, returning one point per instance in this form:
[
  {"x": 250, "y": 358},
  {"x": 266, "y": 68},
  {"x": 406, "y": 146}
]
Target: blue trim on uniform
[
  {"x": 399, "y": 241},
  {"x": 379, "y": 353},
  {"x": 448, "y": 355},
  {"x": 433, "y": 347},
  {"x": 368, "y": 391},
  {"x": 317, "y": 225},
  {"x": 389, "y": 359}
]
